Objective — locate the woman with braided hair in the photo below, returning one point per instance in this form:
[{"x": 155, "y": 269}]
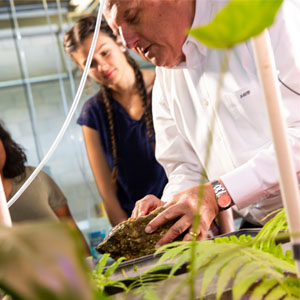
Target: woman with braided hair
[{"x": 117, "y": 121}]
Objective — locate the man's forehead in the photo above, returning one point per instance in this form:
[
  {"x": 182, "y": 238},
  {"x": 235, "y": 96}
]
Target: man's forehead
[
  {"x": 112, "y": 5},
  {"x": 117, "y": 10}
]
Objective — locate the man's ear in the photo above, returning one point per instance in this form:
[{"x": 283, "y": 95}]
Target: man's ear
[{"x": 119, "y": 41}]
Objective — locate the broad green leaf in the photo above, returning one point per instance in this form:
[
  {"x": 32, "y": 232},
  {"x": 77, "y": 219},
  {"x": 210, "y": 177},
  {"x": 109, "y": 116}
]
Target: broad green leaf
[
  {"x": 42, "y": 259},
  {"x": 238, "y": 21}
]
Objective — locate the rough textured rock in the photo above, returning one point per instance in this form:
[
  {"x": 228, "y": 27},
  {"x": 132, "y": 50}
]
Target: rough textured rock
[{"x": 130, "y": 240}]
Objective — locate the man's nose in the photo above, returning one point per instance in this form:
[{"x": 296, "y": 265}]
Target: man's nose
[{"x": 128, "y": 36}]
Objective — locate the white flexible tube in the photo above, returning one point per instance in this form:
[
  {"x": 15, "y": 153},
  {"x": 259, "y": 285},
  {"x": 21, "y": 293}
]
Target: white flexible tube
[{"x": 70, "y": 114}]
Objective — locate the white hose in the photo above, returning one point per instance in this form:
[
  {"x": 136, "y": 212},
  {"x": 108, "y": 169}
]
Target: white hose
[{"x": 70, "y": 114}]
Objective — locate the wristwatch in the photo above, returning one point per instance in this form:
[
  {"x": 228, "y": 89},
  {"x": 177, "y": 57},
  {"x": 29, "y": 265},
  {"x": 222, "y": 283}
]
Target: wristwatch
[{"x": 223, "y": 198}]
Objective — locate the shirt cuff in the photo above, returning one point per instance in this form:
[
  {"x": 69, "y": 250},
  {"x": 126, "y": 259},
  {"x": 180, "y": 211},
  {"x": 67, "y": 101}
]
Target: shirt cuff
[{"x": 244, "y": 186}]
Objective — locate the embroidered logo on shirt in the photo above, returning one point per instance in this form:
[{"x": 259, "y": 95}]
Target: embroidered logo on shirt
[{"x": 245, "y": 94}]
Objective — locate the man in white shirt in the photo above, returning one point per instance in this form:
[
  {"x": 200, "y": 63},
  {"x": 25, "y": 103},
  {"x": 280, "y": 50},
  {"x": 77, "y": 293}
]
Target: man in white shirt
[{"x": 242, "y": 167}]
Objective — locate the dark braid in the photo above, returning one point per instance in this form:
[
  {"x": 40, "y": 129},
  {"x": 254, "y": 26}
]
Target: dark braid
[
  {"x": 74, "y": 38},
  {"x": 140, "y": 84},
  {"x": 110, "y": 118}
]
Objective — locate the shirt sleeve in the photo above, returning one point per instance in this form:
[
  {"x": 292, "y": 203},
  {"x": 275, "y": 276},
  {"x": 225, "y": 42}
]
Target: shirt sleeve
[
  {"x": 173, "y": 152},
  {"x": 56, "y": 198},
  {"x": 86, "y": 116},
  {"x": 258, "y": 179}
]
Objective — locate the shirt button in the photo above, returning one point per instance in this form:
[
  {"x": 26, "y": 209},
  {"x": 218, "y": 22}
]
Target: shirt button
[{"x": 205, "y": 102}]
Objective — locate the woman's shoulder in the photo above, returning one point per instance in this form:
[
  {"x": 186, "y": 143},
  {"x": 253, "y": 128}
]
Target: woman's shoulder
[
  {"x": 149, "y": 77},
  {"x": 92, "y": 102}
]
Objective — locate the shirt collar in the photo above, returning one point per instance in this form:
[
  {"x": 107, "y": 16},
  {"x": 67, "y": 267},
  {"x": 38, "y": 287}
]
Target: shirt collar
[{"x": 191, "y": 46}]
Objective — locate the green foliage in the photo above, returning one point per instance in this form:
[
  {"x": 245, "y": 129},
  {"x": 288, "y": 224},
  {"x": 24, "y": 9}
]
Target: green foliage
[
  {"x": 257, "y": 267},
  {"x": 238, "y": 21},
  {"x": 102, "y": 279},
  {"x": 266, "y": 238},
  {"x": 43, "y": 261}
]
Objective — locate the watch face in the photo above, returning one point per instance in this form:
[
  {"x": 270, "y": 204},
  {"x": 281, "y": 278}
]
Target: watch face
[{"x": 224, "y": 201}]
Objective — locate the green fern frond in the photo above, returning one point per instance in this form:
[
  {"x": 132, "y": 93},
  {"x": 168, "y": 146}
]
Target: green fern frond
[
  {"x": 171, "y": 251},
  {"x": 261, "y": 290},
  {"x": 111, "y": 269}
]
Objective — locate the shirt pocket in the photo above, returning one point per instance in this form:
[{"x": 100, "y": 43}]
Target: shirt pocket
[{"x": 248, "y": 109}]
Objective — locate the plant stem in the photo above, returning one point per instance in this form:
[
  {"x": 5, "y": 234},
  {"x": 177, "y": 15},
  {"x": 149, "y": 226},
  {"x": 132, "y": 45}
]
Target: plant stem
[{"x": 196, "y": 220}]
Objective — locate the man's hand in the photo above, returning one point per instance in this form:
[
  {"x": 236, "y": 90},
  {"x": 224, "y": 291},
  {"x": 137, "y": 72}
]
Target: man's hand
[
  {"x": 144, "y": 206},
  {"x": 184, "y": 205}
]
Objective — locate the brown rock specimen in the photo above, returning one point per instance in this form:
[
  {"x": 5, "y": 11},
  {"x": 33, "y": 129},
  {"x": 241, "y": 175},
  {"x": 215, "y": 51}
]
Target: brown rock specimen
[{"x": 130, "y": 240}]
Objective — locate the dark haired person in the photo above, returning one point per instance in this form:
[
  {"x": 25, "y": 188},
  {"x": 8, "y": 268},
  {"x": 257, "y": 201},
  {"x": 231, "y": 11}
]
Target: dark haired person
[
  {"x": 42, "y": 200},
  {"x": 117, "y": 121}
]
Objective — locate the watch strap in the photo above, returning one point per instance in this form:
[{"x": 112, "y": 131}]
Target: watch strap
[{"x": 223, "y": 198}]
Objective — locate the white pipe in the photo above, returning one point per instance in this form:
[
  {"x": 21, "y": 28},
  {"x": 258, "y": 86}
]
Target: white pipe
[
  {"x": 71, "y": 112},
  {"x": 265, "y": 64},
  {"x": 5, "y": 218}
]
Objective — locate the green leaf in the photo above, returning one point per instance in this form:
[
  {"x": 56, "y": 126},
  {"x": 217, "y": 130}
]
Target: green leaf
[
  {"x": 228, "y": 272},
  {"x": 111, "y": 269},
  {"x": 172, "y": 252},
  {"x": 262, "y": 289},
  {"x": 42, "y": 259},
  {"x": 184, "y": 258},
  {"x": 214, "y": 267},
  {"x": 277, "y": 293},
  {"x": 102, "y": 263},
  {"x": 240, "y": 289},
  {"x": 238, "y": 21},
  {"x": 147, "y": 293}
]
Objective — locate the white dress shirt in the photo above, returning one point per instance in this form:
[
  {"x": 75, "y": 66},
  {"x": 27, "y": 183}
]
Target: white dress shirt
[{"x": 242, "y": 153}]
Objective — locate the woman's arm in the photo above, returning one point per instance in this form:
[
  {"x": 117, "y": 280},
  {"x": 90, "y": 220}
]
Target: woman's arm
[
  {"x": 103, "y": 177},
  {"x": 64, "y": 214}
]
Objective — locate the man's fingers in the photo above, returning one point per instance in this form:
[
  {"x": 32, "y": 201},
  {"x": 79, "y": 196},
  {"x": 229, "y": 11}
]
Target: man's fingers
[
  {"x": 177, "y": 229},
  {"x": 191, "y": 235},
  {"x": 162, "y": 218}
]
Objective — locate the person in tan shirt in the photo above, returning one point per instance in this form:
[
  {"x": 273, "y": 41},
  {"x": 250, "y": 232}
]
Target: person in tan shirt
[{"x": 42, "y": 200}]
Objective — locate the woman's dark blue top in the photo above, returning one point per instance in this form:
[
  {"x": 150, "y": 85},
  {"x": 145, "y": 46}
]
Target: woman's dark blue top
[{"x": 139, "y": 174}]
